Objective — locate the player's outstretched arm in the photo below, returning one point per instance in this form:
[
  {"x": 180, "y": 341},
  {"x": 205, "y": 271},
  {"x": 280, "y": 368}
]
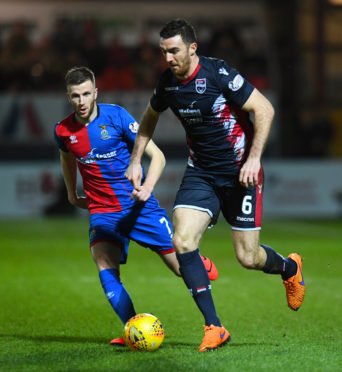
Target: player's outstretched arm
[
  {"x": 68, "y": 164},
  {"x": 155, "y": 170},
  {"x": 263, "y": 116},
  {"x": 145, "y": 133}
]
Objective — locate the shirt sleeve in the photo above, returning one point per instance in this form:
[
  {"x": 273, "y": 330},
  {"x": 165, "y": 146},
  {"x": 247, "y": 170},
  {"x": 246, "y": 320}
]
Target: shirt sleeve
[
  {"x": 129, "y": 127},
  {"x": 234, "y": 86},
  {"x": 158, "y": 102},
  {"x": 59, "y": 141}
]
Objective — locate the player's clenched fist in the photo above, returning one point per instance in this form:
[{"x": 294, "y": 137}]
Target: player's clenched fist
[{"x": 134, "y": 175}]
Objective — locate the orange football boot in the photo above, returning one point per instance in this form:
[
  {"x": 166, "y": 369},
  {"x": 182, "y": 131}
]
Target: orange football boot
[
  {"x": 210, "y": 267},
  {"x": 295, "y": 287},
  {"x": 214, "y": 337},
  {"x": 118, "y": 342}
]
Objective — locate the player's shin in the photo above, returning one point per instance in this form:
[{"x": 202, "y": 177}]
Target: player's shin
[
  {"x": 117, "y": 295},
  {"x": 196, "y": 279}
]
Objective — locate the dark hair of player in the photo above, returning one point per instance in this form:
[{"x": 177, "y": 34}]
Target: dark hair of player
[
  {"x": 179, "y": 27},
  {"x": 78, "y": 75}
]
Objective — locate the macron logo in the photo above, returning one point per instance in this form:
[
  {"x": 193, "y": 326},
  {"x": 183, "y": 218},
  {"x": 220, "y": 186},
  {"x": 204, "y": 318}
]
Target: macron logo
[{"x": 223, "y": 71}]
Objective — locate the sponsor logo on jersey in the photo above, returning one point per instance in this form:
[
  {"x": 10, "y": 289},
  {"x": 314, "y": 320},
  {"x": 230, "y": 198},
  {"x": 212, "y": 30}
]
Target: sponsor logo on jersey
[
  {"x": 92, "y": 156},
  {"x": 104, "y": 132},
  {"x": 171, "y": 89},
  {"x": 73, "y": 139},
  {"x": 223, "y": 71},
  {"x": 134, "y": 127},
  {"x": 236, "y": 83},
  {"x": 191, "y": 115},
  {"x": 201, "y": 85}
]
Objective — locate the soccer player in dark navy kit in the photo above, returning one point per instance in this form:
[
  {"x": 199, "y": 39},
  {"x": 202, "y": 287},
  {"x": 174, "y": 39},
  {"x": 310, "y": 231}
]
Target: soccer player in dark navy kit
[
  {"x": 98, "y": 138},
  {"x": 213, "y": 101}
]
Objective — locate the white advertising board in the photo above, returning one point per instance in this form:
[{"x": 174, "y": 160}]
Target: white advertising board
[
  {"x": 26, "y": 189},
  {"x": 307, "y": 188},
  {"x": 310, "y": 189}
]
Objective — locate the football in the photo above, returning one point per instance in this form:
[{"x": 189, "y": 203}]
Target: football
[{"x": 143, "y": 332}]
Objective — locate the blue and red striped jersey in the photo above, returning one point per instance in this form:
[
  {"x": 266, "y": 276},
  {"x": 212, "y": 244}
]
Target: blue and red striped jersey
[
  {"x": 102, "y": 150},
  {"x": 208, "y": 104}
]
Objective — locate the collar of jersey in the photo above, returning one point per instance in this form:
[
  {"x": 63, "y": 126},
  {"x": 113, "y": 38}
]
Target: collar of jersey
[{"x": 186, "y": 81}]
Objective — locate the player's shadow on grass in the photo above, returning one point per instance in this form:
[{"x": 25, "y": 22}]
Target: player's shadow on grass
[
  {"x": 194, "y": 346},
  {"x": 237, "y": 344},
  {"x": 120, "y": 349},
  {"x": 66, "y": 339},
  {"x": 230, "y": 344},
  {"x": 165, "y": 346}
]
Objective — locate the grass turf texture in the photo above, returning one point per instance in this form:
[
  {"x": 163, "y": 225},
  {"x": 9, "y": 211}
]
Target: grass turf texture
[{"x": 55, "y": 317}]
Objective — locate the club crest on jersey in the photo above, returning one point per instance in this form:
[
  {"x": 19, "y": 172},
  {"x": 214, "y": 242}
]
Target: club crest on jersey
[
  {"x": 236, "y": 83},
  {"x": 134, "y": 127},
  {"x": 201, "y": 85},
  {"x": 104, "y": 132}
]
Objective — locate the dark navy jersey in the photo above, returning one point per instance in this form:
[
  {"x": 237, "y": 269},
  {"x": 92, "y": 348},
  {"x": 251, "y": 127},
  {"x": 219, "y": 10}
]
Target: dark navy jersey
[{"x": 208, "y": 104}]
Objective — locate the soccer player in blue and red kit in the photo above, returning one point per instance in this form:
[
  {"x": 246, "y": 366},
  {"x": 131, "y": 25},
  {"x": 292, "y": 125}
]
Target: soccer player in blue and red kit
[
  {"x": 99, "y": 138},
  {"x": 213, "y": 101}
]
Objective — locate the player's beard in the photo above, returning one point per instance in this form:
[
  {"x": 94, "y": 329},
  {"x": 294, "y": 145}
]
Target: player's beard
[
  {"x": 183, "y": 68},
  {"x": 85, "y": 118}
]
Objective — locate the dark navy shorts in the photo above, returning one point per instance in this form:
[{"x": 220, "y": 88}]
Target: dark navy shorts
[
  {"x": 240, "y": 206},
  {"x": 149, "y": 227}
]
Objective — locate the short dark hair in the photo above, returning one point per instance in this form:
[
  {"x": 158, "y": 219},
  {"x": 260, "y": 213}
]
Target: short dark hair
[
  {"x": 179, "y": 27},
  {"x": 78, "y": 75}
]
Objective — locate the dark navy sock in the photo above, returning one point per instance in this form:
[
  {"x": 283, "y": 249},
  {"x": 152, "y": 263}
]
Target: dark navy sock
[
  {"x": 196, "y": 279},
  {"x": 277, "y": 264},
  {"x": 117, "y": 294}
]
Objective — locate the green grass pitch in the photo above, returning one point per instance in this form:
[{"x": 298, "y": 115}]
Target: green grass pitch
[{"x": 55, "y": 317}]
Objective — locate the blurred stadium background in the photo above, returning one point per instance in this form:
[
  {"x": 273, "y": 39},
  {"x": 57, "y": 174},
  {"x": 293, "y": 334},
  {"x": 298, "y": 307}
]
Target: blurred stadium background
[{"x": 290, "y": 50}]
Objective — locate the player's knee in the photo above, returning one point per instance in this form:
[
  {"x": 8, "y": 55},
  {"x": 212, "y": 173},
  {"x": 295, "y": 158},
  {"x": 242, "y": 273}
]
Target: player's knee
[
  {"x": 103, "y": 260},
  {"x": 182, "y": 244},
  {"x": 177, "y": 243},
  {"x": 247, "y": 262},
  {"x": 103, "y": 263},
  {"x": 247, "y": 259}
]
